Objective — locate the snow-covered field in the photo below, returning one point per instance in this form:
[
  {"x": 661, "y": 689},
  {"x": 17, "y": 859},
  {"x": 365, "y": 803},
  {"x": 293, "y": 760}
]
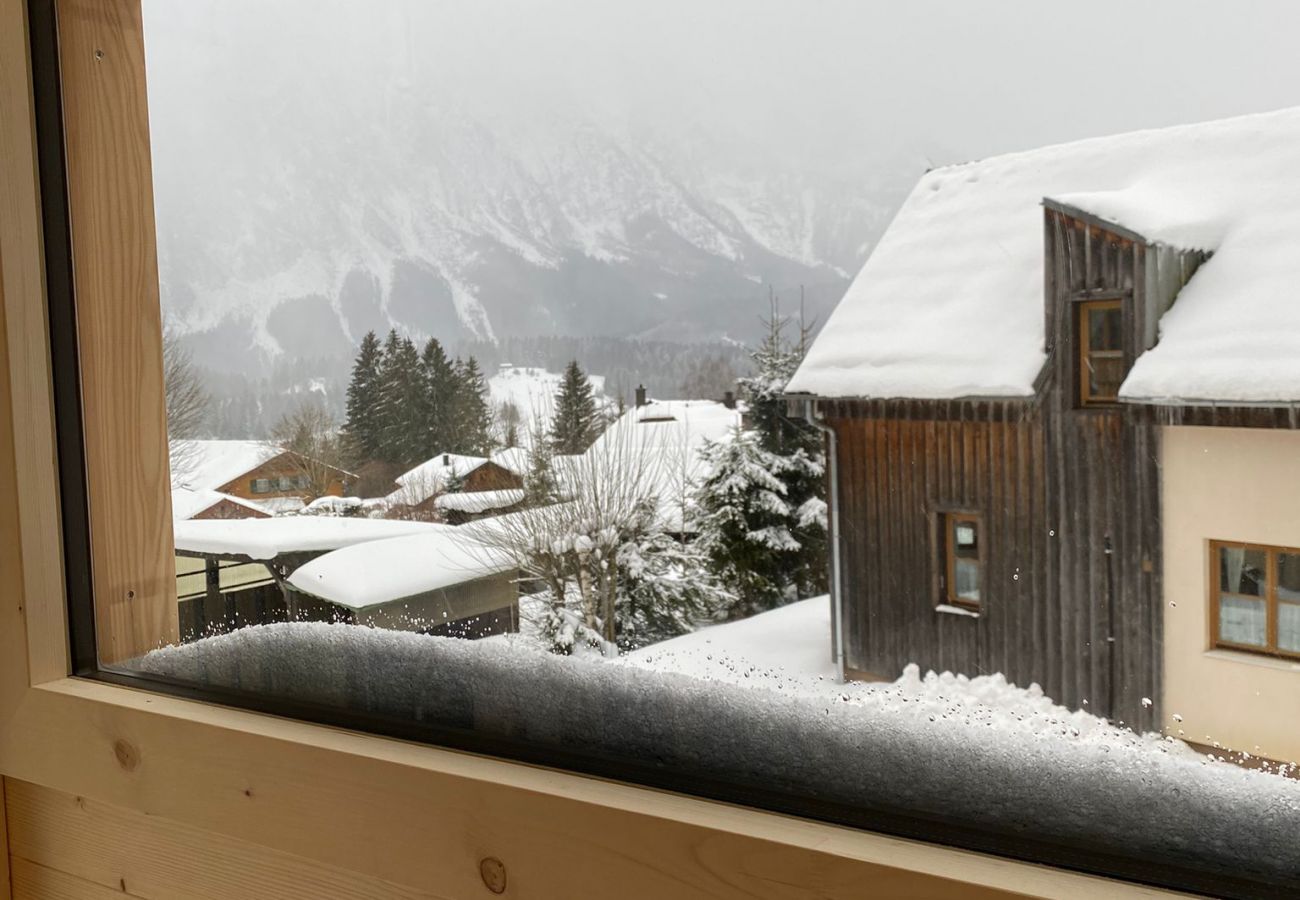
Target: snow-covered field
[{"x": 532, "y": 391}]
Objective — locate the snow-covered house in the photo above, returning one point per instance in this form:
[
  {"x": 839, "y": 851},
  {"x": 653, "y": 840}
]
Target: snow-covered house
[
  {"x": 190, "y": 503},
  {"x": 1064, "y": 393},
  {"x": 276, "y": 479},
  {"x": 658, "y": 443},
  {"x": 441, "y": 580},
  {"x": 231, "y": 573},
  {"x": 418, "y": 490}
]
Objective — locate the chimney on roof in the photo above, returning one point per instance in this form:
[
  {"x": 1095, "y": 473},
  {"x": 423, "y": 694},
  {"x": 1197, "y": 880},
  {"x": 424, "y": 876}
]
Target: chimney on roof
[
  {"x": 446, "y": 459},
  {"x": 729, "y": 399},
  {"x": 640, "y": 395}
]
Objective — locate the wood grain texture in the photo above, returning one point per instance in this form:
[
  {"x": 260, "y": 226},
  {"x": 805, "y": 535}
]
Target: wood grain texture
[
  {"x": 157, "y": 859},
  {"x": 110, "y": 190},
  {"x": 424, "y": 817},
  {"x": 26, "y": 394},
  {"x": 5, "y": 881},
  {"x": 33, "y": 882}
]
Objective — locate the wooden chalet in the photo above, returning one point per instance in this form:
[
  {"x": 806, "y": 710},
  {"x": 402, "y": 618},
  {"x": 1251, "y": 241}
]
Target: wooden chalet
[
  {"x": 1013, "y": 390},
  {"x": 416, "y": 492},
  {"x": 255, "y": 470}
]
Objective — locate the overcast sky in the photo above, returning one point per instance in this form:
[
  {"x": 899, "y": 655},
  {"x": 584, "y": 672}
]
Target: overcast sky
[{"x": 834, "y": 81}]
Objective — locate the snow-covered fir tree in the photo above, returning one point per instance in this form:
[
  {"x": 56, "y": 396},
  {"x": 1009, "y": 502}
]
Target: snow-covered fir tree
[
  {"x": 577, "y": 420},
  {"x": 763, "y": 507},
  {"x": 745, "y": 524},
  {"x": 473, "y": 415},
  {"x": 401, "y": 394},
  {"x": 436, "y": 415}
]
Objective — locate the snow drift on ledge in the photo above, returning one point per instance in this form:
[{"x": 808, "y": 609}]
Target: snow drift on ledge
[{"x": 1020, "y": 771}]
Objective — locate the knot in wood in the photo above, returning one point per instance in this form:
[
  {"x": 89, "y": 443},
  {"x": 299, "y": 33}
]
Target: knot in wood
[
  {"x": 493, "y": 872},
  {"x": 127, "y": 756}
]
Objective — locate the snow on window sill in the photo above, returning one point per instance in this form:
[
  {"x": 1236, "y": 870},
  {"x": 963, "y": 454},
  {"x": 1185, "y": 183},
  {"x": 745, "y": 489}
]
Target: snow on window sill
[
  {"x": 1253, "y": 659},
  {"x": 966, "y": 760},
  {"x": 956, "y": 610}
]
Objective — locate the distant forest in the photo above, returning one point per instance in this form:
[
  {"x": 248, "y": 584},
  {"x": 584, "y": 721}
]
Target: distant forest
[{"x": 244, "y": 407}]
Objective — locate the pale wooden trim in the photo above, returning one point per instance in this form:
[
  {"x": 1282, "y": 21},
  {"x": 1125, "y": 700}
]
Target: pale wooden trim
[
  {"x": 115, "y": 267},
  {"x": 35, "y": 882},
  {"x": 424, "y": 816},
  {"x": 5, "y": 880},
  {"x": 30, "y": 419},
  {"x": 145, "y": 856}
]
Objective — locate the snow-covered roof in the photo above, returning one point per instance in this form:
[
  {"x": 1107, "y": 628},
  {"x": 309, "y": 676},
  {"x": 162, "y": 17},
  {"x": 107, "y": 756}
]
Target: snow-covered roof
[
  {"x": 478, "y": 501},
  {"x": 431, "y": 476},
  {"x": 660, "y": 442},
  {"x": 332, "y": 505},
  {"x": 188, "y": 503},
  {"x": 950, "y": 303},
  {"x": 377, "y": 572},
  {"x": 281, "y": 506},
  {"x": 208, "y": 465},
  {"x": 513, "y": 459},
  {"x": 268, "y": 538}
]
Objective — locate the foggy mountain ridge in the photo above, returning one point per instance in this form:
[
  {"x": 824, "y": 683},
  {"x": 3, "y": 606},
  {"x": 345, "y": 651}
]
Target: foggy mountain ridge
[{"x": 455, "y": 230}]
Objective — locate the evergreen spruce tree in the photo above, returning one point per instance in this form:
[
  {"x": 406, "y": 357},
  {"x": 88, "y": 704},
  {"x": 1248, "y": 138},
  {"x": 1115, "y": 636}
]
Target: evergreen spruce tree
[
  {"x": 401, "y": 394},
  {"x": 361, "y": 430},
  {"x": 745, "y": 524},
  {"x": 576, "y": 423},
  {"x": 473, "y": 416},
  {"x": 540, "y": 486},
  {"x": 437, "y": 413}
]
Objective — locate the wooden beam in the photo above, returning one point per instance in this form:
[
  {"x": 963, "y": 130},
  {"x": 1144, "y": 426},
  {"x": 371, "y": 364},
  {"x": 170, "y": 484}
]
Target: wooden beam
[
  {"x": 115, "y": 266},
  {"x": 36, "y": 882},
  {"x": 125, "y": 851},
  {"x": 26, "y": 401}
]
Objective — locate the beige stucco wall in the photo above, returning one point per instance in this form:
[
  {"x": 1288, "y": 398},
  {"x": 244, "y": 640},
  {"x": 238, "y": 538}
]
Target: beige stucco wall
[{"x": 1234, "y": 484}]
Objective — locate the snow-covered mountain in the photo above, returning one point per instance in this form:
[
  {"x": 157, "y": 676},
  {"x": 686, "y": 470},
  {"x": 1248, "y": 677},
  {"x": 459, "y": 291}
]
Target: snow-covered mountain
[{"x": 299, "y": 207}]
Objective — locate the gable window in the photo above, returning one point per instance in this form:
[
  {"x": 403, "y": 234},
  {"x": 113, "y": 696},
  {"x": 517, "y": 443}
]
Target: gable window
[
  {"x": 1101, "y": 351},
  {"x": 963, "y": 565},
  {"x": 1256, "y": 601},
  {"x": 261, "y": 485}
]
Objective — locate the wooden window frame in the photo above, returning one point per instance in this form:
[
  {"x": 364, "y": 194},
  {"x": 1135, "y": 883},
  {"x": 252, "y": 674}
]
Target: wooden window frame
[
  {"x": 1081, "y": 310},
  {"x": 947, "y": 553},
  {"x": 1270, "y": 600},
  {"x": 289, "y": 786}
]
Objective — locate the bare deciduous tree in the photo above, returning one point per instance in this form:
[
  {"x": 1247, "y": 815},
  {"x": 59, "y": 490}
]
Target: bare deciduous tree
[
  {"x": 310, "y": 436},
  {"x": 187, "y": 405}
]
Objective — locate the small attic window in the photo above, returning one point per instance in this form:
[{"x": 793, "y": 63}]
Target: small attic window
[{"x": 1101, "y": 352}]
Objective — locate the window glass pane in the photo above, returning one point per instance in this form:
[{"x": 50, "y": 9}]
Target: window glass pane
[
  {"x": 1104, "y": 329},
  {"x": 1288, "y": 576},
  {"x": 1242, "y": 571},
  {"x": 1288, "y": 627},
  {"x": 967, "y": 574},
  {"x": 966, "y": 538},
  {"x": 1243, "y": 621}
]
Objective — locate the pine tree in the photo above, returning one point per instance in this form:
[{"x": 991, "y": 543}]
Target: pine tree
[
  {"x": 540, "y": 485},
  {"x": 473, "y": 416},
  {"x": 401, "y": 393},
  {"x": 576, "y": 423},
  {"x": 361, "y": 430},
  {"x": 436, "y": 416},
  {"x": 745, "y": 524},
  {"x": 797, "y": 455}
]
